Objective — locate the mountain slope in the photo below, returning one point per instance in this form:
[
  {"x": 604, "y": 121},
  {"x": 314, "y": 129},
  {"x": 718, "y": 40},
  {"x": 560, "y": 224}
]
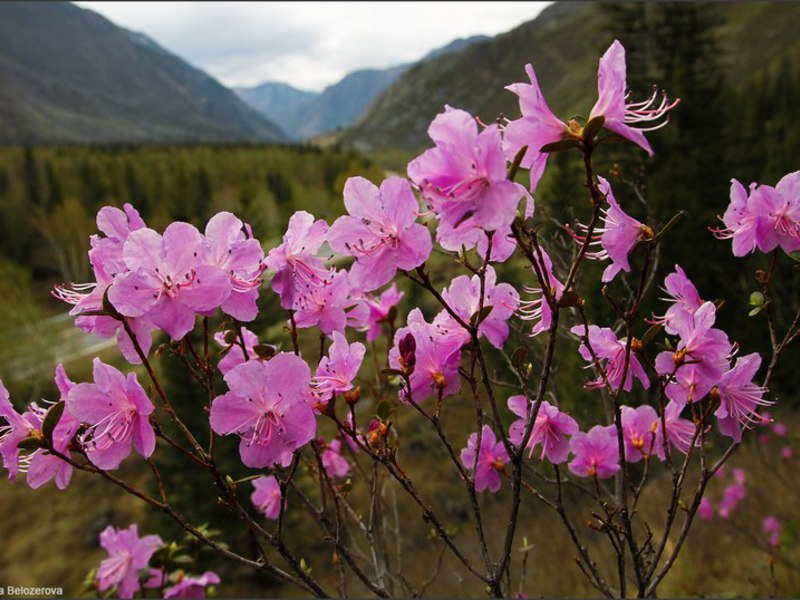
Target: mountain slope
[
  {"x": 68, "y": 75},
  {"x": 564, "y": 43},
  {"x": 277, "y": 101}
]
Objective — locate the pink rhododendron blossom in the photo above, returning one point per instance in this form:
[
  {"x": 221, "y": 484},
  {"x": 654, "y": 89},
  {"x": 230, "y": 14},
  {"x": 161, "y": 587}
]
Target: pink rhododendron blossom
[
  {"x": 683, "y": 297},
  {"x": 701, "y": 358},
  {"x": 464, "y": 179},
  {"x": 772, "y": 527},
  {"x": 739, "y": 397},
  {"x": 740, "y": 223},
  {"x": 323, "y": 302},
  {"x": 117, "y": 412},
  {"x": 639, "y": 426},
  {"x": 680, "y": 432},
  {"x": 381, "y": 231},
  {"x": 43, "y": 465},
  {"x": 537, "y": 127},
  {"x": 706, "y": 509},
  {"x": 779, "y": 429},
  {"x": 269, "y": 407},
  {"x": 436, "y": 356},
  {"x": 336, "y": 465},
  {"x": 732, "y": 495},
  {"x": 786, "y": 452},
  {"x": 463, "y": 295},
  {"x": 241, "y": 257},
  {"x": 596, "y": 453},
  {"x": 127, "y": 555},
  {"x": 266, "y": 497},
  {"x": 295, "y": 262},
  {"x": 621, "y": 116},
  {"x": 17, "y": 428},
  {"x": 607, "y": 347},
  {"x": 235, "y": 355},
  {"x": 337, "y": 370},
  {"x": 777, "y": 213},
  {"x": 538, "y": 309},
  {"x": 552, "y": 429},
  {"x": 492, "y": 456},
  {"x": 372, "y": 311},
  {"x": 617, "y": 236},
  {"x": 190, "y": 586},
  {"x": 168, "y": 283}
]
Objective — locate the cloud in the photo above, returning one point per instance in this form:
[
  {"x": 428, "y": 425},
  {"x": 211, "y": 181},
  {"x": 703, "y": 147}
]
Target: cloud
[{"x": 308, "y": 44}]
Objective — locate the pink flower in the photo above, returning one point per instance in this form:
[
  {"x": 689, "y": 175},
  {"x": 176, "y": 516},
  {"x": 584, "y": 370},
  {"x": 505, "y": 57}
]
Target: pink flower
[
  {"x": 740, "y": 222},
  {"x": 638, "y": 429},
  {"x": 680, "y": 432},
  {"x": 17, "y": 428},
  {"x": 779, "y": 429},
  {"x": 701, "y": 357},
  {"x": 241, "y": 257},
  {"x": 323, "y": 302},
  {"x": 437, "y": 358},
  {"x": 337, "y": 370},
  {"x": 596, "y": 453},
  {"x": 295, "y": 262},
  {"x": 336, "y": 465},
  {"x": 381, "y": 231},
  {"x": 372, "y": 311},
  {"x": 235, "y": 356},
  {"x": 464, "y": 297},
  {"x": 537, "y": 127},
  {"x": 772, "y": 527},
  {"x": 192, "y": 587},
  {"x": 168, "y": 283},
  {"x": 492, "y": 456},
  {"x": 621, "y": 116},
  {"x": 683, "y": 297},
  {"x": 732, "y": 495},
  {"x": 706, "y": 509},
  {"x": 538, "y": 309},
  {"x": 617, "y": 236},
  {"x": 777, "y": 213},
  {"x": 267, "y": 496},
  {"x": 269, "y": 407},
  {"x": 464, "y": 180},
  {"x": 127, "y": 555},
  {"x": 739, "y": 397},
  {"x": 607, "y": 347},
  {"x": 786, "y": 452},
  {"x": 117, "y": 412},
  {"x": 551, "y": 429}
]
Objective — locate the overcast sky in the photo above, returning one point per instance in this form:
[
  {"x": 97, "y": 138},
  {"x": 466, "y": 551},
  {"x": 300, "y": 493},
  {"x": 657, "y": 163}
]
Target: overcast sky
[{"x": 308, "y": 44}]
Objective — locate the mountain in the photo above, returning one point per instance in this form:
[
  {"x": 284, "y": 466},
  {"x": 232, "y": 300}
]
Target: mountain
[
  {"x": 564, "y": 43},
  {"x": 68, "y": 75},
  {"x": 303, "y": 114}
]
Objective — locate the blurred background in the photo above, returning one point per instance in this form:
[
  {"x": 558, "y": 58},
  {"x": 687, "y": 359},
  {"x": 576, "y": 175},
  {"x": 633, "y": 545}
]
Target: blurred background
[{"x": 186, "y": 109}]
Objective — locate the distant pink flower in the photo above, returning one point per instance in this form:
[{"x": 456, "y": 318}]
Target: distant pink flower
[
  {"x": 680, "y": 432},
  {"x": 740, "y": 397},
  {"x": 269, "y": 407},
  {"x": 607, "y": 347},
  {"x": 537, "y": 127},
  {"x": 683, "y": 297},
  {"x": 381, "y": 231},
  {"x": 492, "y": 456},
  {"x": 337, "y": 370},
  {"x": 192, "y": 587},
  {"x": 168, "y": 283},
  {"x": 552, "y": 429},
  {"x": 267, "y": 496},
  {"x": 336, "y": 465},
  {"x": 621, "y": 116},
  {"x": 117, "y": 411},
  {"x": 322, "y": 303},
  {"x": 372, "y": 311},
  {"x": 740, "y": 223},
  {"x": 786, "y": 452},
  {"x": 463, "y": 295},
  {"x": 779, "y": 429},
  {"x": 538, "y": 309},
  {"x": 127, "y": 555},
  {"x": 17, "y": 428},
  {"x": 596, "y": 453},
  {"x": 241, "y": 257},
  {"x": 772, "y": 527},
  {"x": 295, "y": 262},
  {"x": 437, "y": 358},
  {"x": 464, "y": 179},
  {"x": 701, "y": 358},
  {"x": 732, "y": 496},
  {"x": 638, "y": 429},
  {"x": 617, "y": 236},
  {"x": 777, "y": 213},
  {"x": 706, "y": 509}
]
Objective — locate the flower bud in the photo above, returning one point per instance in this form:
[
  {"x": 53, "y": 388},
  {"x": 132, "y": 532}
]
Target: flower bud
[
  {"x": 408, "y": 353},
  {"x": 679, "y": 357},
  {"x": 352, "y": 396},
  {"x": 636, "y": 345}
]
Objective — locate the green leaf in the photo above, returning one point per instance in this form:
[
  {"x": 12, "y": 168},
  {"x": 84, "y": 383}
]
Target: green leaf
[
  {"x": 651, "y": 333},
  {"x": 512, "y": 170},
  {"x": 519, "y": 357},
  {"x": 593, "y": 127},
  {"x": 31, "y": 443},
  {"x": 346, "y": 486},
  {"x": 392, "y": 372},
  {"x": 753, "y": 312},
  {"x": 383, "y": 410},
  {"x": 109, "y": 308},
  {"x": 560, "y": 146},
  {"x": 52, "y": 419},
  {"x": 480, "y": 315},
  {"x": 230, "y": 336},
  {"x": 756, "y": 299},
  {"x": 264, "y": 351}
]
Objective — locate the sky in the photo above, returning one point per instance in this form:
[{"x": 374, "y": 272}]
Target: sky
[{"x": 308, "y": 44}]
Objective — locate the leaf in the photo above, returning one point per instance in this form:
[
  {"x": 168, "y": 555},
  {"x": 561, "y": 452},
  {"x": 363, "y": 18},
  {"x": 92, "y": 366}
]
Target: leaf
[
  {"x": 651, "y": 333},
  {"x": 753, "y": 312},
  {"x": 480, "y": 315},
  {"x": 519, "y": 357},
  {"x": 383, "y": 410},
  {"x": 560, "y": 146},
  {"x": 52, "y": 419},
  {"x": 512, "y": 170},
  {"x": 31, "y": 443},
  {"x": 264, "y": 351},
  {"x": 346, "y": 486},
  {"x": 230, "y": 336},
  {"x": 570, "y": 298},
  {"x": 392, "y": 372},
  {"x": 109, "y": 308},
  {"x": 756, "y": 299},
  {"x": 593, "y": 127}
]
